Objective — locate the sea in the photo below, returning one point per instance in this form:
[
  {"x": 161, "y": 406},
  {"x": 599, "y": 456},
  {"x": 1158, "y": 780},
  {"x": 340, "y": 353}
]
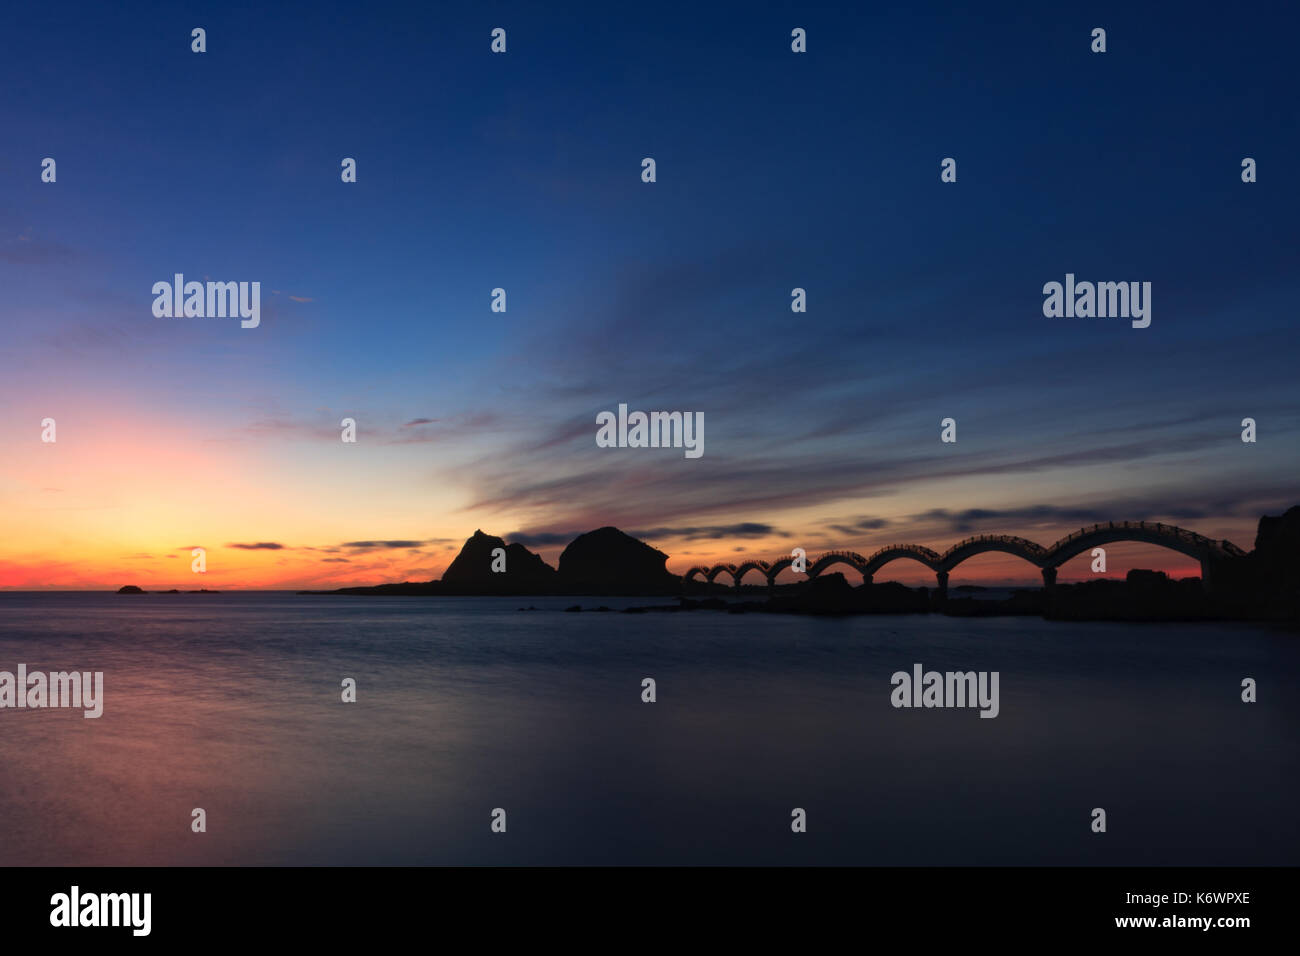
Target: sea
[{"x": 509, "y": 731}]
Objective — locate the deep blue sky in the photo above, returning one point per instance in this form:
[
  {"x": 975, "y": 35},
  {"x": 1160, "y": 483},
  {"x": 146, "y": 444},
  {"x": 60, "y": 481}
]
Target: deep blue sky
[{"x": 775, "y": 170}]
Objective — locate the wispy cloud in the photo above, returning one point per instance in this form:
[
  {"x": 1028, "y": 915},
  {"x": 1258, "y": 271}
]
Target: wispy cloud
[{"x": 742, "y": 529}]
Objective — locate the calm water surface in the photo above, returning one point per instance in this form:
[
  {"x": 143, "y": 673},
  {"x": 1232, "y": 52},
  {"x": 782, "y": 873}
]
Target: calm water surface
[{"x": 231, "y": 703}]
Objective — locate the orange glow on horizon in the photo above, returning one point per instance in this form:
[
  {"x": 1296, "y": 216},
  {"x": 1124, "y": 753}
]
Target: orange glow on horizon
[{"x": 125, "y": 493}]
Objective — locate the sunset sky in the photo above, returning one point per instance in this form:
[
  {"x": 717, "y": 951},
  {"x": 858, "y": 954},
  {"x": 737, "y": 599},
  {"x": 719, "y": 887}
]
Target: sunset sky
[{"x": 523, "y": 171}]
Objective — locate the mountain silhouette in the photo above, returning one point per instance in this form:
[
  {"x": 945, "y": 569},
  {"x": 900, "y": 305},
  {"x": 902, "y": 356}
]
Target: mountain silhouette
[
  {"x": 472, "y": 570},
  {"x": 606, "y": 561}
]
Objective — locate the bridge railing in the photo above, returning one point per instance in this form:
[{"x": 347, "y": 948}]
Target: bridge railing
[
  {"x": 851, "y": 556},
  {"x": 1172, "y": 531},
  {"x": 1000, "y": 539},
  {"x": 859, "y": 561}
]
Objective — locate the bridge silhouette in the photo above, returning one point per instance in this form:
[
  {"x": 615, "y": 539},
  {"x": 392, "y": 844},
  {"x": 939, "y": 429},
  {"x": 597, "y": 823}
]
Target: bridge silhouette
[{"x": 1205, "y": 550}]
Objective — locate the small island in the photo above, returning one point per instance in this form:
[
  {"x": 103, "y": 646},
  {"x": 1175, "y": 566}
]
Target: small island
[{"x": 133, "y": 589}]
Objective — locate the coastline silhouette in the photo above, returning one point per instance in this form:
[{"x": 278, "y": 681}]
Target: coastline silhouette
[{"x": 1262, "y": 584}]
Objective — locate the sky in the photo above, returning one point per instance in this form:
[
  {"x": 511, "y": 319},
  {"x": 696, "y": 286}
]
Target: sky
[{"x": 523, "y": 171}]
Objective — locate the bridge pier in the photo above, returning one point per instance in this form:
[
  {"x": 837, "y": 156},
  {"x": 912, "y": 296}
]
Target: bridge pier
[
  {"x": 1207, "y": 574},
  {"x": 943, "y": 584},
  {"x": 1049, "y": 580}
]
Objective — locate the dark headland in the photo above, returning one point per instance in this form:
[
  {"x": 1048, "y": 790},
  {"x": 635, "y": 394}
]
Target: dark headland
[{"x": 1263, "y": 584}]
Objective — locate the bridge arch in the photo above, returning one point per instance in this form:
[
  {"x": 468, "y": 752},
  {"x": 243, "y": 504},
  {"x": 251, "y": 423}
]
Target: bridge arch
[
  {"x": 893, "y": 552},
  {"x": 1030, "y": 551},
  {"x": 1205, "y": 550},
  {"x": 717, "y": 569},
  {"x": 854, "y": 560},
  {"x": 776, "y": 567},
  {"x": 1176, "y": 539},
  {"x": 746, "y": 567}
]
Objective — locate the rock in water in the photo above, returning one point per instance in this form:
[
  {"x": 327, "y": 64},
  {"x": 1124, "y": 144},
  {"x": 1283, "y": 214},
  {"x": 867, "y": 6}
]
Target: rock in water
[
  {"x": 607, "y": 561},
  {"x": 471, "y": 572}
]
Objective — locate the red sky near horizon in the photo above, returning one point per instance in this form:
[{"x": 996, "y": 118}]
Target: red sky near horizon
[
  {"x": 126, "y": 491},
  {"x": 107, "y": 505}
]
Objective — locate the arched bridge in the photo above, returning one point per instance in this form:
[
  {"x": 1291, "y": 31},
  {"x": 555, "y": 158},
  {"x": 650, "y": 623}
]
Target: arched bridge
[{"x": 1205, "y": 550}]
